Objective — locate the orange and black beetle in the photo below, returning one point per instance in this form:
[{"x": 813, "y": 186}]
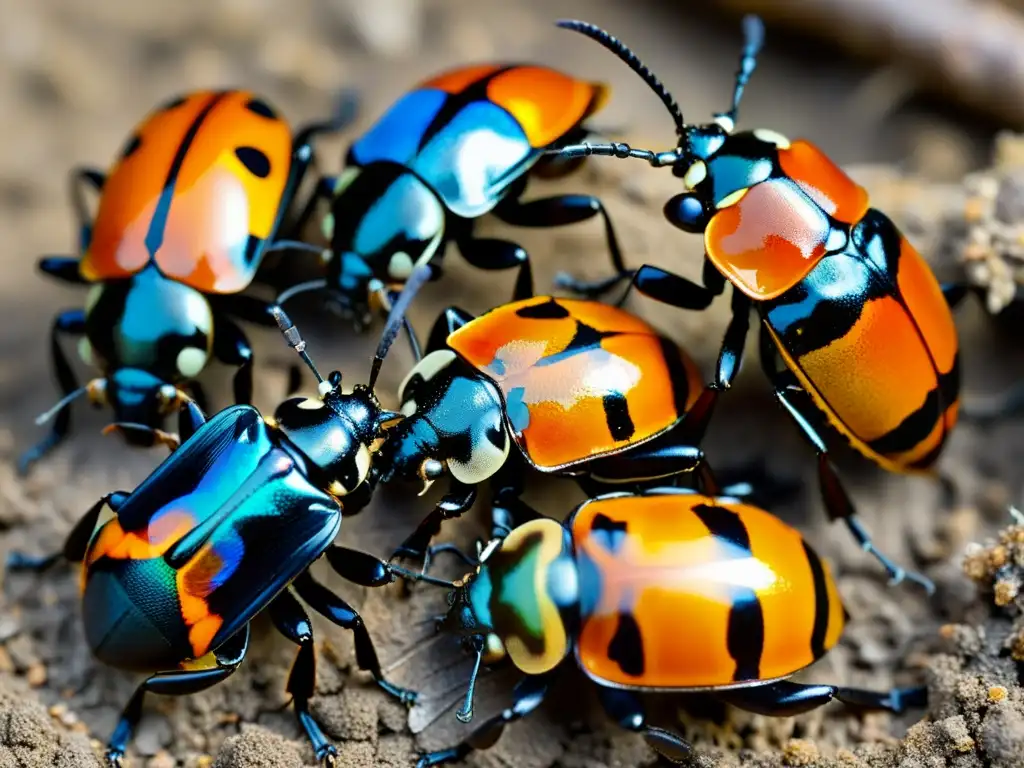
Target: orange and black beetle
[
  {"x": 186, "y": 214},
  {"x": 853, "y": 312},
  {"x": 458, "y": 146},
  {"x": 664, "y": 591},
  {"x": 581, "y": 388}
]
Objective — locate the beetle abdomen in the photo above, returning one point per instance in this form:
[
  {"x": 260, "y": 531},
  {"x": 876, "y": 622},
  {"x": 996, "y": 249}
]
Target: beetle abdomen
[{"x": 132, "y": 616}]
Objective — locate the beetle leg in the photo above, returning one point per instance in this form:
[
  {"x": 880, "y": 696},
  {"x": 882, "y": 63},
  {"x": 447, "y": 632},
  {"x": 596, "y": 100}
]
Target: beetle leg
[
  {"x": 837, "y": 501},
  {"x": 79, "y": 179},
  {"x": 324, "y": 190},
  {"x": 152, "y": 435},
  {"x": 456, "y": 502},
  {"x": 786, "y": 698},
  {"x": 292, "y": 622},
  {"x": 493, "y": 254},
  {"x": 252, "y": 310},
  {"x": 243, "y": 306},
  {"x": 231, "y": 347},
  {"x": 669, "y": 288},
  {"x": 730, "y": 357},
  {"x": 626, "y": 709},
  {"x": 446, "y": 324},
  {"x": 526, "y": 697},
  {"x": 63, "y": 268},
  {"x": 199, "y": 395},
  {"x": 508, "y": 510},
  {"x": 76, "y": 542},
  {"x": 66, "y": 323},
  {"x": 304, "y": 155},
  {"x": 954, "y": 293},
  {"x": 178, "y": 683},
  {"x": 559, "y": 211},
  {"x": 333, "y": 608}
]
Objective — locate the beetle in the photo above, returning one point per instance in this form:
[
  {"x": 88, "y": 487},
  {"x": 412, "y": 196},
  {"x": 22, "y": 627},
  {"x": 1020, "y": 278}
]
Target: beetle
[
  {"x": 226, "y": 527},
  {"x": 580, "y": 388},
  {"x": 187, "y": 212},
  {"x": 460, "y": 145},
  {"x": 666, "y": 590},
  {"x": 854, "y": 325}
]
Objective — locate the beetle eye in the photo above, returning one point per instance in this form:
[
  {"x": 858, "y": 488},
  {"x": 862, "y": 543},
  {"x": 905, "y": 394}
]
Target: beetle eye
[
  {"x": 334, "y": 379},
  {"x": 686, "y": 212},
  {"x": 431, "y": 469},
  {"x": 167, "y": 396}
]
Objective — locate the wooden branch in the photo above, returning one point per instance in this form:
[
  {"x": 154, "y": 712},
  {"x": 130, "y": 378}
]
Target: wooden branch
[{"x": 968, "y": 51}]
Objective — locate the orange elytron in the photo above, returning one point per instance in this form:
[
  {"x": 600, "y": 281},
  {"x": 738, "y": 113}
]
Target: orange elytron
[
  {"x": 198, "y": 192},
  {"x": 580, "y": 379},
  {"x": 666, "y": 590}
]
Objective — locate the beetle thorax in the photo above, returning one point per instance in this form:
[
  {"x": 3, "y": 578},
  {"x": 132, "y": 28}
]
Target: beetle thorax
[
  {"x": 384, "y": 222},
  {"x": 336, "y": 433},
  {"x": 151, "y": 323}
]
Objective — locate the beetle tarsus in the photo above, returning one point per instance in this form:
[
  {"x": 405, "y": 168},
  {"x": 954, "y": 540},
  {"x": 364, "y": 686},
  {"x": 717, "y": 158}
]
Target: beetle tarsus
[
  {"x": 404, "y": 695},
  {"x": 19, "y": 561},
  {"x": 327, "y": 756}
]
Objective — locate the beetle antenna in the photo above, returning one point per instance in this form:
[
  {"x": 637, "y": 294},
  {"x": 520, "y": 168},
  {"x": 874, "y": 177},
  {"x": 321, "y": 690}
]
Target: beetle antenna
[
  {"x": 631, "y": 60},
  {"x": 753, "y": 40},
  {"x": 60, "y": 405},
  {"x": 295, "y": 290},
  {"x": 396, "y": 318},
  {"x": 617, "y": 149},
  {"x": 293, "y": 245},
  {"x": 465, "y": 713},
  {"x": 426, "y": 578},
  {"x": 94, "y": 389},
  {"x": 294, "y": 338}
]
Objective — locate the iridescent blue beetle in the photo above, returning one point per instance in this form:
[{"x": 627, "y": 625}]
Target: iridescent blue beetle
[{"x": 226, "y": 527}]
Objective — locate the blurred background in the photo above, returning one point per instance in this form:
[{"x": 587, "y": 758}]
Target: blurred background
[{"x": 908, "y": 94}]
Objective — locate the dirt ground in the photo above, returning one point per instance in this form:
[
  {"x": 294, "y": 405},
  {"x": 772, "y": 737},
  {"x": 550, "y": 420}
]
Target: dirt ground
[{"x": 76, "y": 76}]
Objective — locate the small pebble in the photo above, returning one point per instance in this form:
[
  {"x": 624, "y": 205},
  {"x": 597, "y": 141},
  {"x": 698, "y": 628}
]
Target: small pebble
[{"x": 36, "y": 675}]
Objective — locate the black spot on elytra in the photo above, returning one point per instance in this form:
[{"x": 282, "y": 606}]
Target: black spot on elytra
[
  {"x": 745, "y": 636},
  {"x": 174, "y": 103},
  {"x": 255, "y": 160},
  {"x": 131, "y": 146},
  {"x": 626, "y": 648},
  {"x": 610, "y": 533},
  {"x": 261, "y": 108},
  {"x": 725, "y": 524},
  {"x": 820, "y": 603},
  {"x": 616, "y": 414},
  {"x": 548, "y": 310}
]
